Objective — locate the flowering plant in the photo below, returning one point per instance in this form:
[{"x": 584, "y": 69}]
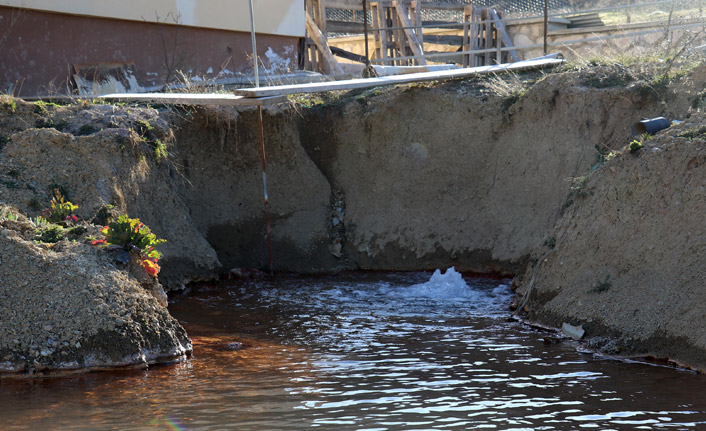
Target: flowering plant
[
  {"x": 61, "y": 210},
  {"x": 129, "y": 235}
]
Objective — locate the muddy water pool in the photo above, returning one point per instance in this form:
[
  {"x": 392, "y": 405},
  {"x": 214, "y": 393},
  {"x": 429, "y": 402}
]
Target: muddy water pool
[{"x": 363, "y": 352}]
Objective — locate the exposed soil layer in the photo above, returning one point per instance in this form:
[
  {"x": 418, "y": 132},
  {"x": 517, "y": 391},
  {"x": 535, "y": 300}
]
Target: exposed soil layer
[
  {"x": 628, "y": 258},
  {"x": 412, "y": 177}
]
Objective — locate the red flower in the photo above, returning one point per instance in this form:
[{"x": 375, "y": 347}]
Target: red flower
[
  {"x": 151, "y": 267},
  {"x": 98, "y": 242},
  {"x": 105, "y": 229}
]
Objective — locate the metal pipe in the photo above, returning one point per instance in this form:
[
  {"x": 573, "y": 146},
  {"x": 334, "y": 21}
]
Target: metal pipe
[
  {"x": 262, "y": 140},
  {"x": 264, "y": 186},
  {"x": 365, "y": 31},
  {"x": 254, "y": 45},
  {"x": 546, "y": 25}
]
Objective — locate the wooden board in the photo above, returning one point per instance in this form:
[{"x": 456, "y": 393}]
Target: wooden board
[
  {"x": 412, "y": 41},
  {"x": 351, "y": 84},
  {"x": 195, "y": 99},
  {"x": 321, "y": 42}
]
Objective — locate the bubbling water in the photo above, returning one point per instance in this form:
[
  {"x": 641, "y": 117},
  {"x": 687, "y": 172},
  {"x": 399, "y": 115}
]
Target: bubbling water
[{"x": 363, "y": 351}]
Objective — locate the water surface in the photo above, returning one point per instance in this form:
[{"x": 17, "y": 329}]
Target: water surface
[{"x": 363, "y": 352}]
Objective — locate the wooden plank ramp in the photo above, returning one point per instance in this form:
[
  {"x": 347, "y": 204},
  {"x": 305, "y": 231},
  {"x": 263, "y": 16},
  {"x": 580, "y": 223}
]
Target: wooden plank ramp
[
  {"x": 221, "y": 99},
  {"x": 351, "y": 84}
]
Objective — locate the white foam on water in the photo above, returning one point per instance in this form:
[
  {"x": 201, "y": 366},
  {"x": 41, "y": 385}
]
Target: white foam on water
[{"x": 447, "y": 285}]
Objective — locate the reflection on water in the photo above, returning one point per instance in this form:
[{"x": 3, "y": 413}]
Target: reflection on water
[{"x": 362, "y": 352}]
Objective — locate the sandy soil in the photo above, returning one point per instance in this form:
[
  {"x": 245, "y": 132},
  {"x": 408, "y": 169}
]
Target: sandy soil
[{"x": 628, "y": 258}]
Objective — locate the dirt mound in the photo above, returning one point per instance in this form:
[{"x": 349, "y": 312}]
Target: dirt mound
[
  {"x": 627, "y": 257},
  {"x": 100, "y": 155},
  {"x": 66, "y": 306}
]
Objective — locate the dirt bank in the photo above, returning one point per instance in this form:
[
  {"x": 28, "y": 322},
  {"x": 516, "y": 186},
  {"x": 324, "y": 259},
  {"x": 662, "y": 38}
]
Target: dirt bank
[
  {"x": 413, "y": 177},
  {"x": 628, "y": 258},
  {"x": 471, "y": 173},
  {"x": 65, "y": 304}
]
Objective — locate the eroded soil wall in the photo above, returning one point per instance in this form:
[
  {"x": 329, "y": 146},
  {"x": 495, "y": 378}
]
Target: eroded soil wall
[{"x": 407, "y": 178}]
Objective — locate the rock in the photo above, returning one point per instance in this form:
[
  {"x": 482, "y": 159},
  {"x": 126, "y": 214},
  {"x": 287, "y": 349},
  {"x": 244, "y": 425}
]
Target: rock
[
  {"x": 575, "y": 332},
  {"x": 336, "y": 249},
  {"x": 234, "y": 346}
]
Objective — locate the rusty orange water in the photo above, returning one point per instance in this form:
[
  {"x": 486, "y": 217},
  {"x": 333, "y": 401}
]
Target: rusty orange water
[{"x": 362, "y": 352}]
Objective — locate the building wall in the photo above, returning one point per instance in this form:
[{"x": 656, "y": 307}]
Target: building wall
[
  {"x": 38, "y": 49},
  {"x": 277, "y": 17}
]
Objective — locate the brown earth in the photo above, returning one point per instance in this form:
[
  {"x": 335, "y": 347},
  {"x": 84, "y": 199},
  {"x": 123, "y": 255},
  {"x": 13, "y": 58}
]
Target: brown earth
[
  {"x": 628, "y": 258},
  {"x": 410, "y": 177}
]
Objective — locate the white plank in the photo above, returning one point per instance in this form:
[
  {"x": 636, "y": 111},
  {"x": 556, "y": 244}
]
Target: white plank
[
  {"x": 351, "y": 84},
  {"x": 195, "y": 98}
]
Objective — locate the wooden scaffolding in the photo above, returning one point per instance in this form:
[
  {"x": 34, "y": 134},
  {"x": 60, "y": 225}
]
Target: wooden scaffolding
[
  {"x": 397, "y": 31},
  {"x": 484, "y": 31}
]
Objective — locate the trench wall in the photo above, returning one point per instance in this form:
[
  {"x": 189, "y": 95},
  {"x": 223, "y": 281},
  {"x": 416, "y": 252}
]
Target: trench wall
[{"x": 408, "y": 178}]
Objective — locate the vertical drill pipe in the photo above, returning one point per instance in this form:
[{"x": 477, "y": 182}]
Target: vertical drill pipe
[
  {"x": 262, "y": 140},
  {"x": 546, "y": 25},
  {"x": 365, "y": 30},
  {"x": 254, "y": 45},
  {"x": 264, "y": 186}
]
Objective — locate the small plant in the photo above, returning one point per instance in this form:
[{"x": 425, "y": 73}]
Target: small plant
[
  {"x": 693, "y": 133},
  {"x": 130, "y": 237},
  {"x": 143, "y": 134},
  {"x": 635, "y": 146},
  {"x": 10, "y": 216},
  {"x": 40, "y": 107},
  {"x": 578, "y": 185},
  {"x": 39, "y": 221},
  {"x": 51, "y": 233},
  {"x": 61, "y": 210},
  {"x": 63, "y": 189},
  {"x": 601, "y": 286},
  {"x": 9, "y": 103},
  {"x": 160, "y": 150},
  {"x": 510, "y": 87}
]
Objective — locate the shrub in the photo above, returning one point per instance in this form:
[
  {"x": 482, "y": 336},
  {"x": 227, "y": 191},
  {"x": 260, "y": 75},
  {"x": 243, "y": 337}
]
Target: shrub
[
  {"x": 51, "y": 234},
  {"x": 130, "y": 237}
]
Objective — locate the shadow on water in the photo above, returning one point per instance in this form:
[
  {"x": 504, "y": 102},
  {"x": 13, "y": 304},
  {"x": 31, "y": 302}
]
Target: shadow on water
[{"x": 362, "y": 351}]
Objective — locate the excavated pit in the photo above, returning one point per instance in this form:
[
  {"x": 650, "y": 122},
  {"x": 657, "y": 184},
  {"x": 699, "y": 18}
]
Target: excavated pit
[{"x": 404, "y": 178}]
